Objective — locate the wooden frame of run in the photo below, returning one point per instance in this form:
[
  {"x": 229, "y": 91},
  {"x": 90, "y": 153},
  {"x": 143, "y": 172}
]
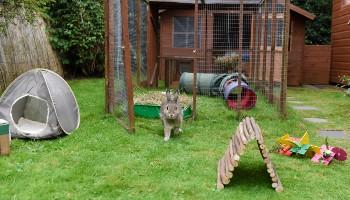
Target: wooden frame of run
[
  {"x": 259, "y": 44},
  {"x": 110, "y": 61}
]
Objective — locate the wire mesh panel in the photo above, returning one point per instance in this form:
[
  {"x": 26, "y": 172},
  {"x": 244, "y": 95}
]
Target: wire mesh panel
[
  {"x": 241, "y": 51},
  {"x": 119, "y": 90},
  {"x": 232, "y": 49}
]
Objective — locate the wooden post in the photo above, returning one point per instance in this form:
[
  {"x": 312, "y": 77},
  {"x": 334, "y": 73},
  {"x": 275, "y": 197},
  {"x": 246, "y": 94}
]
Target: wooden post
[
  {"x": 138, "y": 42},
  {"x": 283, "y": 103},
  {"x": 127, "y": 64},
  {"x": 195, "y": 60},
  {"x": 273, "y": 47},
  {"x": 266, "y": 19},
  {"x": 252, "y": 47},
  {"x": 258, "y": 59},
  {"x": 106, "y": 41},
  {"x": 109, "y": 55},
  {"x": 240, "y": 64}
]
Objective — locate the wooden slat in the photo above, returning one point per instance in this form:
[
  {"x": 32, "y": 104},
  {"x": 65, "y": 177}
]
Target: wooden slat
[{"x": 127, "y": 64}]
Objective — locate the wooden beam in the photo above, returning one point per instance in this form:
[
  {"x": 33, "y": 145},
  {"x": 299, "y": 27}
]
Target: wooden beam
[
  {"x": 240, "y": 62},
  {"x": 109, "y": 55},
  {"x": 273, "y": 47},
  {"x": 195, "y": 62},
  {"x": 138, "y": 42},
  {"x": 302, "y": 12},
  {"x": 127, "y": 63},
  {"x": 283, "y": 98},
  {"x": 106, "y": 43},
  {"x": 265, "y": 45}
]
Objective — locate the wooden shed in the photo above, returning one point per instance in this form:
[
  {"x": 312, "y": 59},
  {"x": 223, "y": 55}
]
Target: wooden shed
[
  {"x": 340, "y": 40},
  {"x": 181, "y": 57},
  {"x": 297, "y": 44}
]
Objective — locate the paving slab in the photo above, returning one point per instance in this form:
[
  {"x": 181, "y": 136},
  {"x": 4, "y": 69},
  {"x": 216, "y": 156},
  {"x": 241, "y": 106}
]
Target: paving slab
[
  {"x": 334, "y": 134},
  {"x": 311, "y": 87},
  {"x": 316, "y": 120},
  {"x": 305, "y": 108},
  {"x": 295, "y": 102}
]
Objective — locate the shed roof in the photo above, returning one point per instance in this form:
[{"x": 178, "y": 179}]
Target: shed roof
[
  {"x": 293, "y": 8},
  {"x": 210, "y": 1},
  {"x": 302, "y": 12}
]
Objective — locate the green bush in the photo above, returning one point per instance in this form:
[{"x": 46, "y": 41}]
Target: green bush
[
  {"x": 76, "y": 29},
  {"x": 21, "y": 9},
  {"x": 77, "y": 33}
]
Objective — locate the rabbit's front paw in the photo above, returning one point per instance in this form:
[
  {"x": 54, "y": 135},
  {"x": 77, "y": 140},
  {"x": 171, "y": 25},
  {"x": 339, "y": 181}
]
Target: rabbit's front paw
[
  {"x": 178, "y": 131},
  {"x": 166, "y": 138}
]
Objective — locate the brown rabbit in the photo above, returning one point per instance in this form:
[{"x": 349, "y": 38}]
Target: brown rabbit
[{"x": 171, "y": 114}]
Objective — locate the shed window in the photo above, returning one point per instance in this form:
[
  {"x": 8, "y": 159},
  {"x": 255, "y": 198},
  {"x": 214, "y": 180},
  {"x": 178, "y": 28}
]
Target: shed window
[
  {"x": 183, "y": 32},
  {"x": 280, "y": 29}
]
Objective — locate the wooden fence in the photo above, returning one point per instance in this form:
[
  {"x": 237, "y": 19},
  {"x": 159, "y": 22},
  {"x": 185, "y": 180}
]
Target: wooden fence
[
  {"x": 24, "y": 47},
  {"x": 317, "y": 62}
]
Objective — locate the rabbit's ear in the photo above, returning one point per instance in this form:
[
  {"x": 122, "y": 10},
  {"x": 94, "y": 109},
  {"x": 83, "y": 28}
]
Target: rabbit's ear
[
  {"x": 176, "y": 95},
  {"x": 168, "y": 95}
]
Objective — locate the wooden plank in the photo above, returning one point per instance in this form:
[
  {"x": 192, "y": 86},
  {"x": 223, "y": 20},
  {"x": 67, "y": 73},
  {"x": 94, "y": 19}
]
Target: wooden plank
[
  {"x": 225, "y": 180},
  {"x": 241, "y": 134},
  {"x": 273, "y": 47},
  {"x": 246, "y": 131},
  {"x": 265, "y": 43},
  {"x": 127, "y": 64},
  {"x": 106, "y": 62},
  {"x": 283, "y": 97},
  {"x": 138, "y": 42},
  {"x": 229, "y": 166},
  {"x": 240, "y": 63},
  {"x": 219, "y": 184},
  {"x": 195, "y": 62}
]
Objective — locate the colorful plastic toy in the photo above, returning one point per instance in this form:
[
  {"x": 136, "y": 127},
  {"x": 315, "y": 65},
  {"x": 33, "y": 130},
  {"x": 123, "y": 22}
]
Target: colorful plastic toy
[
  {"x": 298, "y": 146},
  {"x": 325, "y": 156},
  {"x": 329, "y": 153}
]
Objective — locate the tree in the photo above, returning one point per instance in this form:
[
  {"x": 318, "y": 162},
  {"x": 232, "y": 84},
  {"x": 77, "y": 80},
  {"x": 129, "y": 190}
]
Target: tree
[{"x": 319, "y": 30}]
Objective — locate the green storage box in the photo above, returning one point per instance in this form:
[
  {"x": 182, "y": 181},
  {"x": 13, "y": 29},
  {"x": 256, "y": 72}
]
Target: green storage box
[
  {"x": 152, "y": 111},
  {"x": 4, "y": 138},
  {"x": 4, "y": 127}
]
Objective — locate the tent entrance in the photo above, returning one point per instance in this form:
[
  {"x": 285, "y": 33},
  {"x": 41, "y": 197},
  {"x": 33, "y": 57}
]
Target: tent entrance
[{"x": 30, "y": 114}]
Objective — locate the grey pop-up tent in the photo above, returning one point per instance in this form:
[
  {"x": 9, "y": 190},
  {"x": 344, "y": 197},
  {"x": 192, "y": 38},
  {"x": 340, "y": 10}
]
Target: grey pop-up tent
[{"x": 39, "y": 104}]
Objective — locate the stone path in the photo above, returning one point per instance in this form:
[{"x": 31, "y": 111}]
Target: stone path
[
  {"x": 334, "y": 134},
  {"x": 311, "y": 87},
  {"x": 316, "y": 120},
  {"x": 298, "y": 105},
  {"x": 296, "y": 102},
  {"x": 304, "y": 108}
]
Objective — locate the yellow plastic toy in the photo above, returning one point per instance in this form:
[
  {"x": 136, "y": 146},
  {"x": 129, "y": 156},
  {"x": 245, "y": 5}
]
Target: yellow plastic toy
[{"x": 299, "y": 146}]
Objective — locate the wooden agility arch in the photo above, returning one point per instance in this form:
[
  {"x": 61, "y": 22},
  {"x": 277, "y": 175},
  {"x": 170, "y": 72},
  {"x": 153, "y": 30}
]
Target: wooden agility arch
[{"x": 247, "y": 131}]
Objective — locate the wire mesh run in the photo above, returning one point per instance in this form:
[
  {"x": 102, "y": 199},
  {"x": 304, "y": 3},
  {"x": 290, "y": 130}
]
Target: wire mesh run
[
  {"x": 241, "y": 51},
  {"x": 231, "y": 49}
]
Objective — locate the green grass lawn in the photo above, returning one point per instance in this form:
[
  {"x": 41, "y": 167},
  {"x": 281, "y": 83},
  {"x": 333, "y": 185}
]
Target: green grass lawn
[{"x": 102, "y": 161}]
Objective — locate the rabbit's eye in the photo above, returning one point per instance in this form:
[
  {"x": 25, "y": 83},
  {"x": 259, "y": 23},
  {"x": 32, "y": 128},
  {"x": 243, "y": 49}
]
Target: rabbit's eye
[{"x": 167, "y": 108}]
